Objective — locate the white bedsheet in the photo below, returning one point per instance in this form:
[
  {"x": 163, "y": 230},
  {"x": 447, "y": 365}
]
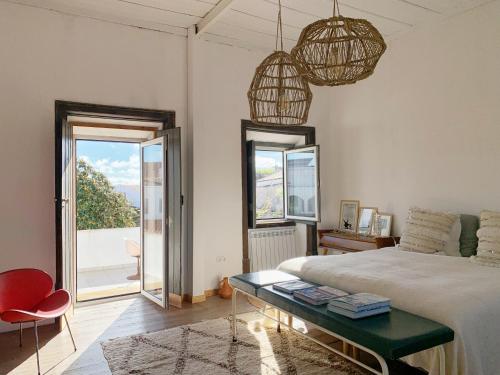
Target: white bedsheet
[{"x": 450, "y": 290}]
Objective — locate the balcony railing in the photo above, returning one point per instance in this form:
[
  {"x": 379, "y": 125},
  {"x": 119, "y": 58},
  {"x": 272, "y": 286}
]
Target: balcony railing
[{"x": 106, "y": 266}]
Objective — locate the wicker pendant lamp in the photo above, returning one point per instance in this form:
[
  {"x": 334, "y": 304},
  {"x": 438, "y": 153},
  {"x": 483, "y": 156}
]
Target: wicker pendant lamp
[
  {"x": 339, "y": 50},
  {"x": 278, "y": 94}
]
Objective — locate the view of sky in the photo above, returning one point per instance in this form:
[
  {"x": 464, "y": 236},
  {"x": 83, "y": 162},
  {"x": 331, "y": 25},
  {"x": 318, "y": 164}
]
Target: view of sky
[
  {"x": 116, "y": 160},
  {"x": 268, "y": 159}
]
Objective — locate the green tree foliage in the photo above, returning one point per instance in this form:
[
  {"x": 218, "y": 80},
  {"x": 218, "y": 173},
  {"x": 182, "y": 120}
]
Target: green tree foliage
[{"x": 98, "y": 204}]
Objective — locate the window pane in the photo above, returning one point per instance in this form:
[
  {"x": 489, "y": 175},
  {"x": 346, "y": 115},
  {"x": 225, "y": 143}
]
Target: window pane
[
  {"x": 269, "y": 184},
  {"x": 301, "y": 183},
  {"x": 153, "y": 250}
]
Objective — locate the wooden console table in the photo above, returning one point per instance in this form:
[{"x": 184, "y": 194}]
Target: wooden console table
[{"x": 345, "y": 242}]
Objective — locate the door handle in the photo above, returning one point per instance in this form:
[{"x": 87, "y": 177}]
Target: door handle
[{"x": 63, "y": 201}]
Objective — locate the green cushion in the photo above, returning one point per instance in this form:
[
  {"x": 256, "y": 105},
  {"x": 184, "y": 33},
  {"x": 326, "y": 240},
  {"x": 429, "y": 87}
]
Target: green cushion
[
  {"x": 392, "y": 335},
  {"x": 468, "y": 237},
  {"x": 250, "y": 282}
]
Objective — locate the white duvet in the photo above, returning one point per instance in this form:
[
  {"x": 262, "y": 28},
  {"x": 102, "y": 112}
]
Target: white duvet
[{"x": 450, "y": 290}]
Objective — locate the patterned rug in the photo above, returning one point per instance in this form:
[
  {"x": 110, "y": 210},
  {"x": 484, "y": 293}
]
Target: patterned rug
[{"x": 207, "y": 348}]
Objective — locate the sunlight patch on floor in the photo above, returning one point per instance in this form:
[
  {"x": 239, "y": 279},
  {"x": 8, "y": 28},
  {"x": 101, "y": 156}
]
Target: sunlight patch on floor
[{"x": 57, "y": 355}]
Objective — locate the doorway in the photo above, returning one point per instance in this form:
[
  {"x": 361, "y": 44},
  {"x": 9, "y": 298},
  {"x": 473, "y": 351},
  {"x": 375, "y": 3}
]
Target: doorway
[
  {"x": 103, "y": 220},
  {"x": 108, "y": 208}
]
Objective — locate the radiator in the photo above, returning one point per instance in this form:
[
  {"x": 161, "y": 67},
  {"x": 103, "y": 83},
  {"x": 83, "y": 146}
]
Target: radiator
[{"x": 269, "y": 247}]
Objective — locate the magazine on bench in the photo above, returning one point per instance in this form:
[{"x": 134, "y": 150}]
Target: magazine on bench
[
  {"x": 319, "y": 295},
  {"x": 292, "y": 286},
  {"x": 359, "y": 314},
  {"x": 361, "y": 301}
]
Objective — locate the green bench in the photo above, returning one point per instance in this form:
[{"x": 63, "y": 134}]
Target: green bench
[{"x": 387, "y": 336}]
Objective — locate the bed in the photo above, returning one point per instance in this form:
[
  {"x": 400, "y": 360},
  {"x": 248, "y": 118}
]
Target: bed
[{"x": 450, "y": 290}]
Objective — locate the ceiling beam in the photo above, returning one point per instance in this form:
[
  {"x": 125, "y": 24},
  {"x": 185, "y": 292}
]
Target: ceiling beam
[{"x": 211, "y": 17}]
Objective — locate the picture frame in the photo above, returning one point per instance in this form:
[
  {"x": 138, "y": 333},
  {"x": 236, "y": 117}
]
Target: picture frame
[
  {"x": 349, "y": 215},
  {"x": 366, "y": 220},
  {"x": 382, "y": 225}
]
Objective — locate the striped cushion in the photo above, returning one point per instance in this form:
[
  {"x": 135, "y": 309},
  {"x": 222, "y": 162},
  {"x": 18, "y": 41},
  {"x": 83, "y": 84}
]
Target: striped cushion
[
  {"x": 426, "y": 231},
  {"x": 488, "y": 250}
]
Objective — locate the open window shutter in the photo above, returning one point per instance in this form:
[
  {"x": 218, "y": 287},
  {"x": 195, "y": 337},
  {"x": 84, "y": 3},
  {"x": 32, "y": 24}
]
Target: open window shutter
[
  {"x": 302, "y": 187},
  {"x": 251, "y": 178}
]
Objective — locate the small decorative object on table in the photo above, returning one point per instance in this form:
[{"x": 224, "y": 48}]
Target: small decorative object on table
[
  {"x": 225, "y": 290},
  {"x": 349, "y": 213},
  {"x": 366, "y": 220},
  {"x": 382, "y": 225}
]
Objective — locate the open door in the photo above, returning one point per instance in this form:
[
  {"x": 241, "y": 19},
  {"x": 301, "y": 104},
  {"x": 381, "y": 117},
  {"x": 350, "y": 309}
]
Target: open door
[
  {"x": 65, "y": 211},
  {"x": 161, "y": 271}
]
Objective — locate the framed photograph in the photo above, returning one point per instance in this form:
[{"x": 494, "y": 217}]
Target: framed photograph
[
  {"x": 349, "y": 213},
  {"x": 366, "y": 220},
  {"x": 382, "y": 225}
]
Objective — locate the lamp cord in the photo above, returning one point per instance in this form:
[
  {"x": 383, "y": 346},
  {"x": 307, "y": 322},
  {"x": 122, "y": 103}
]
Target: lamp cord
[
  {"x": 336, "y": 9},
  {"x": 279, "y": 29}
]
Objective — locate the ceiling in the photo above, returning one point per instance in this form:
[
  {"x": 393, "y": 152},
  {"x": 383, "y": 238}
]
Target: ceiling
[{"x": 252, "y": 23}]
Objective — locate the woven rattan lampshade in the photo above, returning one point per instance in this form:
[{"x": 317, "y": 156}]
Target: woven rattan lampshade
[
  {"x": 278, "y": 94},
  {"x": 338, "y": 51}
]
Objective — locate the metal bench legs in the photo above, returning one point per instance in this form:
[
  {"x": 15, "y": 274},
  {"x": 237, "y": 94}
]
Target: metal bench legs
[
  {"x": 380, "y": 359},
  {"x": 346, "y": 342},
  {"x": 233, "y": 315}
]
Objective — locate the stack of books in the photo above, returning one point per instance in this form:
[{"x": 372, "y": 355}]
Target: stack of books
[
  {"x": 319, "y": 295},
  {"x": 292, "y": 286},
  {"x": 360, "y": 305}
]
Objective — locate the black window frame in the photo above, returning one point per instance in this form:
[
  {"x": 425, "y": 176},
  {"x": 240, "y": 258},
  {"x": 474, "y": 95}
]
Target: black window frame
[{"x": 309, "y": 133}]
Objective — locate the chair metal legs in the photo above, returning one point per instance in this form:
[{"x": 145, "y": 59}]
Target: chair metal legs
[
  {"x": 36, "y": 339},
  {"x": 36, "y": 343},
  {"x": 20, "y": 334},
  {"x": 69, "y": 330}
]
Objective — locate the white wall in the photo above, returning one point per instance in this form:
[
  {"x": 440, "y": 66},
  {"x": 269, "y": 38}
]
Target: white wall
[
  {"x": 46, "y": 56},
  {"x": 425, "y": 128},
  {"x": 222, "y": 76}
]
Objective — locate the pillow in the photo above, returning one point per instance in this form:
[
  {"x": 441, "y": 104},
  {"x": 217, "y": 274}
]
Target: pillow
[
  {"x": 468, "y": 238},
  {"x": 427, "y": 231},
  {"x": 488, "y": 250},
  {"x": 452, "y": 247}
]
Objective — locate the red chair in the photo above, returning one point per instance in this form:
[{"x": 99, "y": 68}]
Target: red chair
[{"x": 26, "y": 296}]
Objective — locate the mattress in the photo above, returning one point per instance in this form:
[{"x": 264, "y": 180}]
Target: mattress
[{"x": 450, "y": 290}]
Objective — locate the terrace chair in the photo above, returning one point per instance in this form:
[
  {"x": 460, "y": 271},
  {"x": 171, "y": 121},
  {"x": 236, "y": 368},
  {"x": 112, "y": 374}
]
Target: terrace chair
[
  {"x": 26, "y": 296},
  {"x": 134, "y": 250}
]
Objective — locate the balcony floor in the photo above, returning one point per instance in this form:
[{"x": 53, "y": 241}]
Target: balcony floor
[{"x": 106, "y": 283}]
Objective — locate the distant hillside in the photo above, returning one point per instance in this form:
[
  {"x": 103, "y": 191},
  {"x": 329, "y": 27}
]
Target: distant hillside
[{"x": 132, "y": 192}]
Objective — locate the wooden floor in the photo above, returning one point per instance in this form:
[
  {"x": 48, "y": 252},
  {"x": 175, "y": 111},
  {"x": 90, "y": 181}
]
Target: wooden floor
[{"x": 93, "y": 324}]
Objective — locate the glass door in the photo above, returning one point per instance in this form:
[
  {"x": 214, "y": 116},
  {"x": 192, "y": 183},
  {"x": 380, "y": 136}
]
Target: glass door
[
  {"x": 153, "y": 236},
  {"x": 161, "y": 219}
]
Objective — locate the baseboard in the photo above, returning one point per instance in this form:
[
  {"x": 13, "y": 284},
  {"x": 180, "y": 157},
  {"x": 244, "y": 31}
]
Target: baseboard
[
  {"x": 194, "y": 299},
  {"x": 211, "y": 292},
  {"x": 200, "y": 298}
]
